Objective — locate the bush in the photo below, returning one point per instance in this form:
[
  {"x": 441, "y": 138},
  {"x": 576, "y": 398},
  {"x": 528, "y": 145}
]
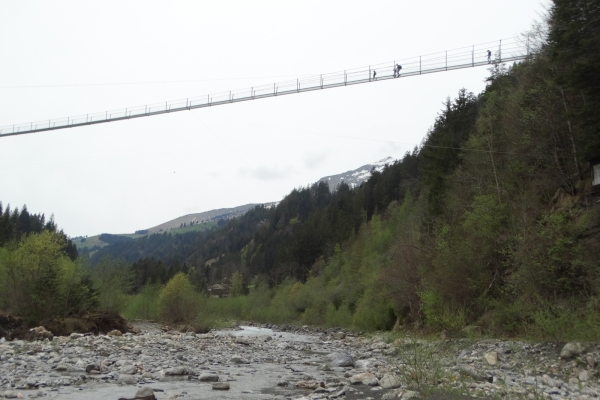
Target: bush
[
  {"x": 178, "y": 302},
  {"x": 439, "y": 315},
  {"x": 374, "y": 312},
  {"x": 114, "y": 280},
  {"x": 40, "y": 281},
  {"x": 340, "y": 317},
  {"x": 144, "y": 305}
]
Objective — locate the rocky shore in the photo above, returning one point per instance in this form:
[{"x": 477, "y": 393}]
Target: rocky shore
[{"x": 275, "y": 362}]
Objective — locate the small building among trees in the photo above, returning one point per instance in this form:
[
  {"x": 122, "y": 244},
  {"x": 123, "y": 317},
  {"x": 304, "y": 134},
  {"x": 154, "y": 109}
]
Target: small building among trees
[{"x": 218, "y": 290}]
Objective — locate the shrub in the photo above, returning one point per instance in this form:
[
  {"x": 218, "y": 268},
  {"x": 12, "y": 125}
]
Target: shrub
[
  {"x": 178, "y": 301},
  {"x": 374, "y": 312},
  {"x": 40, "y": 281},
  {"x": 439, "y": 315},
  {"x": 144, "y": 305}
]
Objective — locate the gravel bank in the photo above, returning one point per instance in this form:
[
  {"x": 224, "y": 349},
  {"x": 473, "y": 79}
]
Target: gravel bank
[{"x": 269, "y": 362}]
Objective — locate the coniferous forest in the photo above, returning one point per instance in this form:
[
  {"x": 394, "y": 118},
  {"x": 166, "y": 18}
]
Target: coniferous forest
[{"x": 491, "y": 221}]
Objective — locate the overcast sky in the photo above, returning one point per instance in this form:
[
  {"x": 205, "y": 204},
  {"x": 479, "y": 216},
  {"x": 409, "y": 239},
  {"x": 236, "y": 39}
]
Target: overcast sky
[{"x": 65, "y": 58}]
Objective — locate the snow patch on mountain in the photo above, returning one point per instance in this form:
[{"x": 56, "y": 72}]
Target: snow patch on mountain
[{"x": 356, "y": 177}]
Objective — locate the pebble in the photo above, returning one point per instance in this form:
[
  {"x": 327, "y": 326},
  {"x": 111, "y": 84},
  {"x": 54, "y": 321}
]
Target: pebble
[{"x": 220, "y": 386}]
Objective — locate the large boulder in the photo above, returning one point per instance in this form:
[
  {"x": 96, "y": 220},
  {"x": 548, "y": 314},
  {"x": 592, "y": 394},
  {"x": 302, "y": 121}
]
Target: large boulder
[
  {"x": 570, "y": 350},
  {"x": 491, "y": 357},
  {"x": 239, "y": 360},
  {"x": 128, "y": 370},
  {"x": 145, "y": 394},
  {"x": 341, "y": 359},
  {"x": 208, "y": 377},
  {"x": 390, "y": 381}
]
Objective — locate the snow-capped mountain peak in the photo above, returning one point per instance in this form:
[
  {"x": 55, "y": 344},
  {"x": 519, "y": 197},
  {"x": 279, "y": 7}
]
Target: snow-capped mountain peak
[{"x": 355, "y": 177}]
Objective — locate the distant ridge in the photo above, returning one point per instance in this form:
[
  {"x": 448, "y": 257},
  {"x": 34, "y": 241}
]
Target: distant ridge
[
  {"x": 212, "y": 215},
  {"x": 353, "y": 178},
  {"x": 357, "y": 176}
]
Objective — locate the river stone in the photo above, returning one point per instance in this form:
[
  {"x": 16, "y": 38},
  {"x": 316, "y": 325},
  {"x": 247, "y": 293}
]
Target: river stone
[
  {"x": 128, "y": 370},
  {"x": 390, "y": 381},
  {"x": 311, "y": 385},
  {"x": 242, "y": 340},
  {"x": 145, "y": 393},
  {"x": 339, "y": 335},
  {"x": 114, "y": 332},
  {"x": 409, "y": 394},
  {"x": 239, "y": 360},
  {"x": 127, "y": 380},
  {"x": 61, "y": 367},
  {"x": 570, "y": 350},
  {"x": 208, "y": 377},
  {"x": 220, "y": 386},
  {"x": 92, "y": 367},
  {"x": 363, "y": 377},
  {"x": 584, "y": 376},
  {"x": 491, "y": 357},
  {"x": 11, "y": 394},
  {"x": 371, "y": 382},
  {"x": 470, "y": 371},
  {"x": 341, "y": 360},
  {"x": 175, "y": 371}
]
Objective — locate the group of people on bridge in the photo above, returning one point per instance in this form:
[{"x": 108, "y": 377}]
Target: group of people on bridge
[{"x": 397, "y": 69}]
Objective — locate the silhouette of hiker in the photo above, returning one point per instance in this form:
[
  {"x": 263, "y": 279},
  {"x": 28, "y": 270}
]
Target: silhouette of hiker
[
  {"x": 374, "y": 75},
  {"x": 397, "y": 70},
  {"x": 489, "y": 57}
]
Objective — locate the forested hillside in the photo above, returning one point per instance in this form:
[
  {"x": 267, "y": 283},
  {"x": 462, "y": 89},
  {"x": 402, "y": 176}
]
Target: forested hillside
[{"x": 491, "y": 221}]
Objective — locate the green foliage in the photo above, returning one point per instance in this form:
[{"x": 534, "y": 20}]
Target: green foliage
[
  {"x": 338, "y": 317},
  {"x": 178, "y": 301},
  {"x": 145, "y": 304},
  {"x": 114, "y": 280},
  {"x": 374, "y": 312},
  {"x": 421, "y": 369},
  {"x": 574, "y": 39},
  {"x": 39, "y": 281},
  {"x": 552, "y": 263},
  {"x": 439, "y": 315},
  {"x": 238, "y": 285},
  {"x": 564, "y": 323}
]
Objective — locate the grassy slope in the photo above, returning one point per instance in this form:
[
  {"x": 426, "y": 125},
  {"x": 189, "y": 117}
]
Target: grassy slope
[{"x": 95, "y": 240}]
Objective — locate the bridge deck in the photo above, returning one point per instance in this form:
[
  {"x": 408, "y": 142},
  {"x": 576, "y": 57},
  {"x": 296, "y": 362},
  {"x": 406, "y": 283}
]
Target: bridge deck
[{"x": 512, "y": 49}]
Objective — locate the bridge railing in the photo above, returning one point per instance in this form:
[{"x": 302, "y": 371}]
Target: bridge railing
[{"x": 476, "y": 55}]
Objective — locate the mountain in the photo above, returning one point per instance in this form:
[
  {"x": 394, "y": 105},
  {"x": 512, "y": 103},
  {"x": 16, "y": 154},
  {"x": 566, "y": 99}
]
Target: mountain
[
  {"x": 206, "y": 219},
  {"x": 353, "y": 178},
  {"x": 357, "y": 176},
  {"x": 206, "y": 216}
]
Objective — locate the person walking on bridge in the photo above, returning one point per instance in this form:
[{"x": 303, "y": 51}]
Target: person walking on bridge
[
  {"x": 397, "y": 70},
  {"x": 489, "y": 54},
  {"x": 374, "y": 75}
]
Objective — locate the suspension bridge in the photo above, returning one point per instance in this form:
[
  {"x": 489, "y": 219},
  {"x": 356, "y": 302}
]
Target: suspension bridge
[{"x": 505, "y": 50}]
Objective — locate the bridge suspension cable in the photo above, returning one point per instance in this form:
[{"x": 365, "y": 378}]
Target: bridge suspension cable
[{"x": 511, "y": 49}]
